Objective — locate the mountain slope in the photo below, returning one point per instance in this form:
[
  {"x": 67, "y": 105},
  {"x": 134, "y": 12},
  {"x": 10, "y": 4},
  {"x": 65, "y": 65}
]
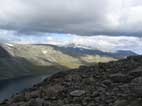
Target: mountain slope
[
  {"x": 116, "y": 83},
  {"x": 11, "y": 67},
  {"x": 47, "y": 55},
  {"x": 18, "y": 60},
  {"x": 75, "y": 50}
]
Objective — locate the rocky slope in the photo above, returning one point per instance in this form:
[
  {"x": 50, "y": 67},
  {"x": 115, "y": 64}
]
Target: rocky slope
[{"x": 105, "y": 84}]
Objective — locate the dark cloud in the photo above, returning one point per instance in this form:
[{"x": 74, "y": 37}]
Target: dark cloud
[{"x": 83, "y": 17}]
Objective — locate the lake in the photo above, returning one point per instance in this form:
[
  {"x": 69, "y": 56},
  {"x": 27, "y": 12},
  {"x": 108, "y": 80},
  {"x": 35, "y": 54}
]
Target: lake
[{"x": 11, "y": 87}]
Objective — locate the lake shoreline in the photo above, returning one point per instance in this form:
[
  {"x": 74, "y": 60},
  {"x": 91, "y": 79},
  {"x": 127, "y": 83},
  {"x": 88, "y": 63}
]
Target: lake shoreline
[{"x": 11, "y": 87}]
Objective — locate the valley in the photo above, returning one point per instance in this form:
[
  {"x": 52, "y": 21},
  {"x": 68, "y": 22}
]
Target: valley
[{"x": 31, "y": 62}]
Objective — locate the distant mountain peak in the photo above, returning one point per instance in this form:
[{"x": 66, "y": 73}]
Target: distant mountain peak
[{"x": 81, "y": 47}]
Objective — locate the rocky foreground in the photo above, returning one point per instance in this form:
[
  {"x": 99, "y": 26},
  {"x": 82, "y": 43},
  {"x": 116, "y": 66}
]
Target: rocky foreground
[{"x": 105, "y": 84}]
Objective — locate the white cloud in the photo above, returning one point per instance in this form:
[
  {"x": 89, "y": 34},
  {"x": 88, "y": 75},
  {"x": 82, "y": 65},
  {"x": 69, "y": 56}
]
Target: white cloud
[
  {"x": 110, "y": 43},
  {"x": 101, "y": 42}
]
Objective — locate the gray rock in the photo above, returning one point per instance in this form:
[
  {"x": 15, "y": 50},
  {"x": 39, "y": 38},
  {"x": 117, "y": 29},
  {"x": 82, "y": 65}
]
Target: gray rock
[
  {"x": 119, "y": 77},
  {"x": 52, "y": 91},
  {"x": 135, "y": 103},
  {"x": 73, "y": 77},
  {"x": 127, "y": 103},
  {"x": 13, "y": 104},
  {"x": 32, "y": 102},
  {"x": 120, "y": 103},
  {"x": 136, "y": 86},
  {"x": 91, "y": 104},
  {"x": 36, "y": 102},
  {"x": 72, "y": 105},
  {"x": 18, "y": 98},
  {"x": 35, "y": 94},
  {"x": 136, "y": 72},
  {"x": 95, "y": 94},
  {"x": 21, "y": 104},
  {"x": 77, "y": 93},
  {"x": 107, "y": 82}
]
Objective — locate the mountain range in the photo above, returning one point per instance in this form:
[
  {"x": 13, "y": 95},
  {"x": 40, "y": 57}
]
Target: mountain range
[{"x": 19, "y": 60}]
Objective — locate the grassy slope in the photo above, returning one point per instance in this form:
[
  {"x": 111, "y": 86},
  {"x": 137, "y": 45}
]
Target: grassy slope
[
  {"x": 34, "y": 53},
  {"x": 37, "y": 59}
]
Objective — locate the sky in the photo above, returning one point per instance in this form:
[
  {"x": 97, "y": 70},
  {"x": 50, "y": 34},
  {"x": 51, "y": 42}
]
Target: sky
[{"x": 113, "y": 23}]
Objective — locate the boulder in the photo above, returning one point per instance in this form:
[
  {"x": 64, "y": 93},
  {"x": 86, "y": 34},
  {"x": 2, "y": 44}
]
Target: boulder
[
  {"x": 136, "y": 86},
  {"x": 77, "y": 93},
  {"x": 120, "y": 103},
  {"x": 119, "y": 78},
  {"x": 53, "y": 91},
  {"x": 136, "y": 72}
]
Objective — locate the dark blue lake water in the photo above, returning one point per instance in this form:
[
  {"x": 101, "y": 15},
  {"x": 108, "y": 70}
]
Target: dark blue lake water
[{"x": 11, "y": 87}]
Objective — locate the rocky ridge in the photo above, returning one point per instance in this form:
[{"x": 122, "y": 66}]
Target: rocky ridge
[{"x": 104, "y": 84}]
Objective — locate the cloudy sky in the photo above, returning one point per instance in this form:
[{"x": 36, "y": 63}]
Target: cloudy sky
[{"x": 116, "y": 21}]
